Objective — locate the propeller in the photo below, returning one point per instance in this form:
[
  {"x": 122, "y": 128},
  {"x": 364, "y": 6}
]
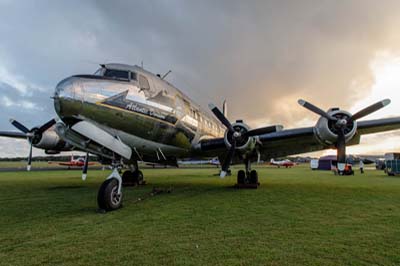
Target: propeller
[
  {"x": 28, "y": 167},
  {"x": 236, "y": 135},
  {"x": 340, "y": 124},
  {"x": 33, "y": 135},
  {"x": 85, "y": 167}
]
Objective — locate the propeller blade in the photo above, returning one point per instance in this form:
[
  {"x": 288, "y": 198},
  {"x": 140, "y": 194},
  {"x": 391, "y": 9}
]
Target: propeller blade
[
  {"x": 28, "y": 167},
  {"x": 263, "y": 130},
  {"x": 221, "y": 117},
  {"x": 315, "y": 109},
  {"x": 47, "y": 125},
  {"x": 11, "y": 134},
  {"x": 85, "y": 167},
  {"x": 341, "y": 149},
  {"x": 228, "y": 159},
  {"x": 18, "y": 125},
  {"x": 370, "y": 109}
]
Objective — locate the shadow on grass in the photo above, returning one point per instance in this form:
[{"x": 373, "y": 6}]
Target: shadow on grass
[{"x": 66, "y": 187}]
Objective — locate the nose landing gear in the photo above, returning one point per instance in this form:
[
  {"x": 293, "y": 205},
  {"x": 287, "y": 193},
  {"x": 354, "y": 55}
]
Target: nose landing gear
[{"x": 109, "y": 197}]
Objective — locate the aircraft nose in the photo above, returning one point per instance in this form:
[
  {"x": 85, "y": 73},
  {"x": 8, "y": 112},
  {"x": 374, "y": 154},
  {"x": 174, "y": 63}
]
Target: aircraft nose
[
  {"x": 68, "y": 97},
  {"x": 65, "y": 89}
]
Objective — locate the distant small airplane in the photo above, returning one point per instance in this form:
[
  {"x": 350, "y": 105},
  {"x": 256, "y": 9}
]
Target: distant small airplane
[
  {"x": 285, "y": 163},
  {"x": 79, "y": 162},
  {"x": 213, "y": 161}
]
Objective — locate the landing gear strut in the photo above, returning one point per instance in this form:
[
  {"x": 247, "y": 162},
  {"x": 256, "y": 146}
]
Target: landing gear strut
[{"x": 247, "y": 178}]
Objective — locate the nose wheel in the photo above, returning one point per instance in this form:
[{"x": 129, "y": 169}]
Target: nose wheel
[{"x": 108, "y": 197}]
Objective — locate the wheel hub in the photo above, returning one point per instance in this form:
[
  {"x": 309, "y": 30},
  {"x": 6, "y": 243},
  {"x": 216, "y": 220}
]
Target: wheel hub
[{"x": 115, "y": 196}]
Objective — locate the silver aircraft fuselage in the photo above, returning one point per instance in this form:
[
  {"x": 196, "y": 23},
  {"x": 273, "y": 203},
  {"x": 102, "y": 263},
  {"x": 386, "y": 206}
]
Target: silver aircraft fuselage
[{"x": 141, "y": 109}]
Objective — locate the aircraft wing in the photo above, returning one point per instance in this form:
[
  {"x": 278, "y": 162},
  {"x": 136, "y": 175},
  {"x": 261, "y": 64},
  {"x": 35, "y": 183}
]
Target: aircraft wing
[
  {"x": 13, "y": 134},
  {"x": 288, "y": 142},
  {"x": 378, "y": 125},
  {"x": 302, "y": 140},
  {"x": 66, "y": 164},
  {"x": 88, "y": 137}
]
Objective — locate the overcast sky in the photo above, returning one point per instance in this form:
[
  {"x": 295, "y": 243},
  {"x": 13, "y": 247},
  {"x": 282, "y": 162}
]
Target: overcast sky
[{"x": 259, "y": 55}]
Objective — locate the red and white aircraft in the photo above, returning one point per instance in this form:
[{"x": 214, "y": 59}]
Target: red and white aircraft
[
  {"x": 285, "y": 163},
  {"x": 79, "y": 162}
]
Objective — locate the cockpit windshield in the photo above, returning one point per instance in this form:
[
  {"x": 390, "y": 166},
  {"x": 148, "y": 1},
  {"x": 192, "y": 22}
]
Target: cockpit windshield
[
  {"x": 99, "y": 72},
  {"x": 116, "y": 74}
]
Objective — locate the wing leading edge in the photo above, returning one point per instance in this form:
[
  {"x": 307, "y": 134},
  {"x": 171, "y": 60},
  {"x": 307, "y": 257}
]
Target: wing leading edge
[{"x": 303, "y": 140}]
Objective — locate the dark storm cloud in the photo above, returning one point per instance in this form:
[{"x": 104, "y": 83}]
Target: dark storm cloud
[{"x": 260, "y": 55}]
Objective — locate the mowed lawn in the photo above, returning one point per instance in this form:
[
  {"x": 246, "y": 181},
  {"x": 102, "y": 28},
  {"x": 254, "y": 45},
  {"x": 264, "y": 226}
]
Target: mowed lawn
[{"x": 296, "y": 217}]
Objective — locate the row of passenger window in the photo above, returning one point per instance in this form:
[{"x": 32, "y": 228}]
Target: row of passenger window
[{"x": 202, "y": 120}]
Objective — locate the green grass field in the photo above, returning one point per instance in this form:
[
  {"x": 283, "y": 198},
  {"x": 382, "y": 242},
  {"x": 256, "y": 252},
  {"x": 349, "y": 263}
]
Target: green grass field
[{"x": 296, "y": 217}]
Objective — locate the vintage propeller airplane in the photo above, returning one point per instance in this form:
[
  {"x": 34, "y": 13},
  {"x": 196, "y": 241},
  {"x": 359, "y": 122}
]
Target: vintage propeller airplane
[
  {"x": 284, "y": 163},
  {"x": 125, "y": 114}
]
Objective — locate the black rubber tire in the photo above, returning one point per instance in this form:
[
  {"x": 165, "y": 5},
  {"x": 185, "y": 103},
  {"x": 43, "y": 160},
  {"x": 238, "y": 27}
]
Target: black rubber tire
[
  {"x": 130, "y": 178},
  {"x": 106, "y": 197},
  {"x": 253, "y": 177},
  {"x": 241, "y": 177},
  {"x": 139, "y": 177},
  {"x": 127, "y": 178}
]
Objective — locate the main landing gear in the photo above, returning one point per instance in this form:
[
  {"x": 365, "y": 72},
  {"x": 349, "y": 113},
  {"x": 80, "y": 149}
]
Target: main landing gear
[
  {"x": 133, "y": 176},
  {"x": 247, "y": 178},
  {"x": 110, "y": 195}
]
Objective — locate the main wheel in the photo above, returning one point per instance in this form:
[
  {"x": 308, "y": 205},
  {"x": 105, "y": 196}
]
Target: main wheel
[
  {"x": 139, "y": 177},
  {"x": 108, "y": 198},
  {"x": 253, "y": 177},
  {"x": 127, "y": 178},
  {"x": 241, "y": 177},
  {"x": 130, "y": 178}
]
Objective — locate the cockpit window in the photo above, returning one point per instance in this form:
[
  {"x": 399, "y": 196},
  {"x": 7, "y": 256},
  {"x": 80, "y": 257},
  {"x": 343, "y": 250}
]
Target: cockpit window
[
  {"x": 133, "y": 76},
  {"x": 116, "y": 74},
  {"x": 98, "y": 72}
]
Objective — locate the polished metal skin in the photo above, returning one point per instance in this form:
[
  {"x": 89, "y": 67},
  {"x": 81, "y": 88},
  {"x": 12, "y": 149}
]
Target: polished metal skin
[{"x": 145, "y": 112}]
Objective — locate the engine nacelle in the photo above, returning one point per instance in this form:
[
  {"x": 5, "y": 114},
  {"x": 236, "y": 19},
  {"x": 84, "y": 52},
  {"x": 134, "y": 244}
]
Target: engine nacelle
[
  {"x": 245, "y": 144},
  {"x": 326, "y": 132},
  {"x": 50, "y": 140}
]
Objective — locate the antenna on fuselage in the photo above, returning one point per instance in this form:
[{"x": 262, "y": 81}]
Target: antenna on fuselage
[
  {"x": 166, "y": 74},
  {"x": 141, "y": 63}
]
